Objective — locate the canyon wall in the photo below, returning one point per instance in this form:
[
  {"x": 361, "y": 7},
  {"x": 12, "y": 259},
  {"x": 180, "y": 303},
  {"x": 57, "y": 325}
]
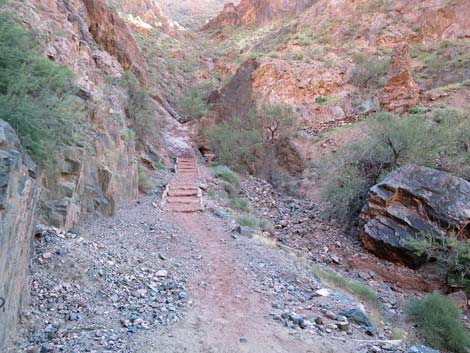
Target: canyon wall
[
  {"x": 101, "y": 173},
  {"x": 18, "y": 199}
]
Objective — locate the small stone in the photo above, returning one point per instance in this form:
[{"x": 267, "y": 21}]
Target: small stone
[
  {"x": 162, "y": 273},
  {"x": 324, "y": 292},
  {"x": 132, "y": 329},
  {"x": 330, "y": 315},
  {"x": 243, "y": 340},
  {"x": 295, "y": 318},
  {"x": 343, "y": 325},
  {"x": 319, "y": 320},
  {"x": 46, "y": 348},
  {"x": 46, "y": 255},
  {"x": 75, "y": 317}
]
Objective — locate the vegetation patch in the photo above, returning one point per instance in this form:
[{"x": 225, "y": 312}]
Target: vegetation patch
[
  {"x": 226, "y": 174},
  {"x": 439, "y": 321},
  {"x": 439, "y": 139},
  {"x": 249, "y": 220},
  {"x": 355, "y": 288},
  {"x": 37, "y": 96},
  {"x": 240, "y": 204}
]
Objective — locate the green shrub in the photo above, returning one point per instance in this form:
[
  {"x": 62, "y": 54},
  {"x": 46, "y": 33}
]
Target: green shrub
[
  {"x": 240, "y": 142},
  {"x": 391, "y": 142},
  {"x": 225, "y": 173},
  {"x": 146, "y": 183},
  {"x": 451, "y": 252},
  {"x": 139, "y": 109},
  {"x": 438, "y": 319},
  {"x": 356, "y": 288},
  {"x": 230, "y": 189},
  {"x": 193, "y": 104},
  {"x": 369, "y": 71},
  {"x": 248, "y": 220},
  {"x": 240, "y": 204},
  {"x": 266, "y": 225},
  {"x": 159, "y": 165},
  {"x": 37, "y": 96},
  {"x": 235, "y": 142}
]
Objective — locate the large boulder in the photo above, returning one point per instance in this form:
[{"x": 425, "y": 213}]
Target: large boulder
[
  {"x": 18, "y": 199},
  {"x": 410, "y": 201}
]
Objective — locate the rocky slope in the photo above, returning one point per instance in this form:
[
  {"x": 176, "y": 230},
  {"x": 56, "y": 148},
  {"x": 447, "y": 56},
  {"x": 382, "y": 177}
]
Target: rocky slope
[
  {"x": 252, "y": 12},
  {"x": 98, "y": 45},
  {"x": 337, "y": 62}
]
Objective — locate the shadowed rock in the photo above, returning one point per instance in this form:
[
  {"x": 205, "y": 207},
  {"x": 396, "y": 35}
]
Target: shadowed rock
[{"x": 411, "y": 201}]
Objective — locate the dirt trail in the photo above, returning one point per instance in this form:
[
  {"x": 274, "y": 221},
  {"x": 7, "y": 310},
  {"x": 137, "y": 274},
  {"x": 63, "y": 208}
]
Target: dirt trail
[{"x": 229, "y": 313}]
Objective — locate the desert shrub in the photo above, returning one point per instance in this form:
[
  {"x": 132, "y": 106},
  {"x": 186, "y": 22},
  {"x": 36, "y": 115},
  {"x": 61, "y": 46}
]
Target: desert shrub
[
  {"x": 230, "y": 189},
  {"x": 334, "y": 279},
  {"x": 438, "y": 139},
  {"x": 146, "y": 183},
  {"x": 193, "y": 104},
  {"x": 235, "y": 142},
  {"x": 36, "y": 95},
  {"x": 159, "y": 165},
  {"x": 275, "y": 121},
  {"x": 452, "y": 253},
  {"x": 226, "y": 174},
  {"x": 369, "y": 71},
  {"x": 266, "y": 225},
  {"x": 240, "y": 204},
  {"x": 239, "y": 142},
  {"x": 248, "y": 220},
  {"x": 438, "y": 319},
  {"x": 139, "y": 108}
]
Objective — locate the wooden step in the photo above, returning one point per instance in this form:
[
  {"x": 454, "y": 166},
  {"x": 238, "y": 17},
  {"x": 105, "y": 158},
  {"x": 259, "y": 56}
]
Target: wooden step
[
  {"x": 183, "y": 200},
  {"x": 183, "y": 192}
]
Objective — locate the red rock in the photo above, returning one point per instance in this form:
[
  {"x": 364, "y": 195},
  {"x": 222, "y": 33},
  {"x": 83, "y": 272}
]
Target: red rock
[
  {"x": 400, "y": 90},
  {"x": 460, "y": 299}
]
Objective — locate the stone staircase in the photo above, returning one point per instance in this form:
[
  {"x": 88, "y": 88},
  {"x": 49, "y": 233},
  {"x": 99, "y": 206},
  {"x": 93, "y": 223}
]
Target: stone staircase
[{"x": 182, "y": 193}]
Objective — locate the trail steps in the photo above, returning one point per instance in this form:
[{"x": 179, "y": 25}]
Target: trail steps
[{"x": 182, "y": 193}]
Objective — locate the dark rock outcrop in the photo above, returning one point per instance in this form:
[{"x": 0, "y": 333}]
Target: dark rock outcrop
[
  {"x": 410, "y": 201},
  {"x": 18, "y": 199}
]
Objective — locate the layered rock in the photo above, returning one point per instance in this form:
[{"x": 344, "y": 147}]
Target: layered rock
[
  {"x": 112, "y": 33},
  {"x": 400, "y": 90},
  {"x": 18, "y": 199},
  {"x": 102, "y": 173},
  {"x": 147, "y": 15},
  {"x": 411, "y": 201},
  {"x": 256, "y": 12}
]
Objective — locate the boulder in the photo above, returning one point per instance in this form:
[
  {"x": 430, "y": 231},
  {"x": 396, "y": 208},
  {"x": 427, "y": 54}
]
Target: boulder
[
  {"x": 18, "y": 200},
  {"x": 400, "y": 90},
  {"x": 410, "y": 201}
]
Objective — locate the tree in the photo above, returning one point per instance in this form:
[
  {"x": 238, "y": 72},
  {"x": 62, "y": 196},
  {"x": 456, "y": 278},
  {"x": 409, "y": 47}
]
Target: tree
[{"x": 276, "y": 120}]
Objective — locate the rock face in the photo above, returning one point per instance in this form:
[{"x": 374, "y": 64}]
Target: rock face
[
  {"x": 102, "y": 173},
  {"x": 256, "y": 12},
  {"x": 411, "y": 200},
  {"x": 146, "y": 15},
  {"x": 112, "y": 33},
  {"x": 400, "y": 90},
  {"x": 18, "y": 199}
]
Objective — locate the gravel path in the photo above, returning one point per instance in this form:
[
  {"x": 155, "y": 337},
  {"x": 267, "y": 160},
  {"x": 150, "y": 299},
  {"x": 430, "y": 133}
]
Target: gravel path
[{"x": 153, "y": 281}]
